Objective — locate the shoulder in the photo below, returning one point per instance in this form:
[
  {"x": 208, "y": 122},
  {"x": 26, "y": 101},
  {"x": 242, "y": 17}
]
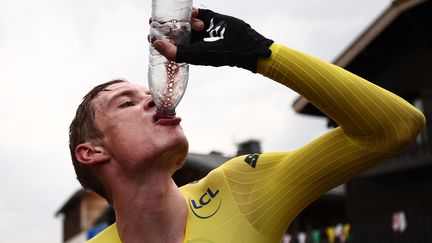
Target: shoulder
[
  {"x": 214, "y": 178},
  {"x": 255, "y": 161},
  {"x": 242, "y": 164},
  {"x": 109, "y": 235}
]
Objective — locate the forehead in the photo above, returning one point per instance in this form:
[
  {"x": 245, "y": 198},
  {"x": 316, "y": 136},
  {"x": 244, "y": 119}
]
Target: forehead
[{"x": 112, "y": 91}]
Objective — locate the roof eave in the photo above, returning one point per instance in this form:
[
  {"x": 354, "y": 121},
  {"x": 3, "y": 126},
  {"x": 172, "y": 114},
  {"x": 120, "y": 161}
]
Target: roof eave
[{"x": 377, "y": 27}]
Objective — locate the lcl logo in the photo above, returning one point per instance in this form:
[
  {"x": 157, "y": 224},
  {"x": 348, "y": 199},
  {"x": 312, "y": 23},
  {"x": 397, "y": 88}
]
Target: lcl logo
[{"x": 205, "y": 207}]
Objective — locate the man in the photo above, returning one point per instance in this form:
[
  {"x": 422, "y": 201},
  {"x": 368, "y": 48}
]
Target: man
[{"x": 124, "y": 152}]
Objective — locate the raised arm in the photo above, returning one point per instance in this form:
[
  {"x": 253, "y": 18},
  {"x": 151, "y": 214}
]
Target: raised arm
[
  {"x": 374, "y": 125},
  {"x": 371, "y": 117}
]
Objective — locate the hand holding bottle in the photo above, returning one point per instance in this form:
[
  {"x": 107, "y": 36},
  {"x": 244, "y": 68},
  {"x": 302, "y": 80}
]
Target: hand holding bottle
[{"x": 224, "y": 40}]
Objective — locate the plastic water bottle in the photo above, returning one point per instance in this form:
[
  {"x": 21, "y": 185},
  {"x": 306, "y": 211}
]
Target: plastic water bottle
[{"x": 167, "y": 79}]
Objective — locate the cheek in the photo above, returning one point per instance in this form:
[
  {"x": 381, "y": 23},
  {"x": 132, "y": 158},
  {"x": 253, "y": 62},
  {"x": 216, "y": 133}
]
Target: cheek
[{"x": 132, "y": 135}]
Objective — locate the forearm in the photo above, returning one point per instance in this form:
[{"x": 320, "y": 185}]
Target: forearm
[{"x": 371, "y": 116}]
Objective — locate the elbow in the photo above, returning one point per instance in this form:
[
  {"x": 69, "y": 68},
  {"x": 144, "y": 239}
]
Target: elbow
[{"x": 406, "y": 132}]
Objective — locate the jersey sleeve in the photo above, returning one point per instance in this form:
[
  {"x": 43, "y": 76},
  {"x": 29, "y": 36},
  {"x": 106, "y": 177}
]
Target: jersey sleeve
[
  {"x": 374, "y": 124},
  {"x": 108, "y": 235}
]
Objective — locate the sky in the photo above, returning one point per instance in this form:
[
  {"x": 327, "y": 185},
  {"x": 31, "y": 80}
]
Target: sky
[{"x": 53, "y": 51}]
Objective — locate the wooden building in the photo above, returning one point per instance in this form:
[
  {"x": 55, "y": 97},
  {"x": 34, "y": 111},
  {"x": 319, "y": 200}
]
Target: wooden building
[
  {"x": 79, "y": 214},
  {"x": 395, "y": 52}
]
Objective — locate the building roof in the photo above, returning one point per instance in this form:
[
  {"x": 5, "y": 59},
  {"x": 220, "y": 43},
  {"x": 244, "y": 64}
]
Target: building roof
[
  {"x": 75, "y": 198},
  {"x": 393, "y": 50},
  {"x": 205, "y": 162}
]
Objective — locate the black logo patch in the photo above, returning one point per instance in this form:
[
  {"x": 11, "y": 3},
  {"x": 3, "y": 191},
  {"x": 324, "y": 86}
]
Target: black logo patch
[{"x": 252, "y": 159}]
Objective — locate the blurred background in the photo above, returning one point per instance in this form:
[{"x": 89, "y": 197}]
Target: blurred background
[{"x": 53, "y": 51}]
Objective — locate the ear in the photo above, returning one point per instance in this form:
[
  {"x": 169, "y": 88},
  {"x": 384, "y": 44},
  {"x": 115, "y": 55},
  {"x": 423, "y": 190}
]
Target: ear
[{"x": 90, "y": 153}]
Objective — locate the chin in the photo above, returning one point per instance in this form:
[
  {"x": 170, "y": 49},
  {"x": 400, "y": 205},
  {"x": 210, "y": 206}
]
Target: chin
[
  {"x": 181, "y": 151},
  {"x": 176, "y": 151}
]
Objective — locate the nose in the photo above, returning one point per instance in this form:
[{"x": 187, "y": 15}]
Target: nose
[{"x": 149, "y": 103}]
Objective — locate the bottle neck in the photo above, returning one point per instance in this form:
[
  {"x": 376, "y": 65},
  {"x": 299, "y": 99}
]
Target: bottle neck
[{"x": 165, "y": 114}]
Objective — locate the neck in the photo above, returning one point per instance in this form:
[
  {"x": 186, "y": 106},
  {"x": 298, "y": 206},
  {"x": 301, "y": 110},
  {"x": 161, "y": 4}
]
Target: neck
[{"x": 150, "y": 210}]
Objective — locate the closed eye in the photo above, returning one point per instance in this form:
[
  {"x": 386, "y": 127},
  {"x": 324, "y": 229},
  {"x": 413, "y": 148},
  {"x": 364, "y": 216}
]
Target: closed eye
[{"x": 127, "y": 104}]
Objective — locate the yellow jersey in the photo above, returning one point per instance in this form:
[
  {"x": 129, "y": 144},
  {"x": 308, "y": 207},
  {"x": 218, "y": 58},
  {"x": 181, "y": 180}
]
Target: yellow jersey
[{"x": 254, "y": 198}]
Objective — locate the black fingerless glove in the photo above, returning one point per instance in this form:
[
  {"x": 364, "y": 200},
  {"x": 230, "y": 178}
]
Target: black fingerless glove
[{"x": 225, "y": 40}]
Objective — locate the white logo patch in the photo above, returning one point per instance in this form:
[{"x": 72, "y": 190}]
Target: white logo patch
[{"x": 215, "y": 32}]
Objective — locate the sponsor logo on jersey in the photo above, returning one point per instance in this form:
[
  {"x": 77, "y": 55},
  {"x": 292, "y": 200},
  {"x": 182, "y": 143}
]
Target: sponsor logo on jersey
[
  {"x": 207, "y": 205},
  {"x": 252, "y": 159}
]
